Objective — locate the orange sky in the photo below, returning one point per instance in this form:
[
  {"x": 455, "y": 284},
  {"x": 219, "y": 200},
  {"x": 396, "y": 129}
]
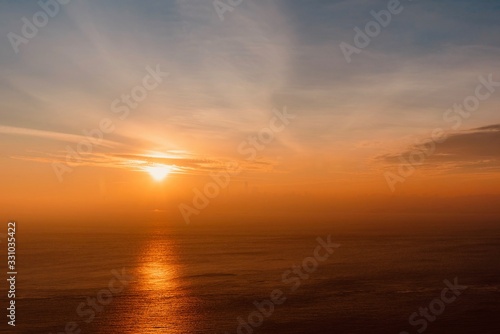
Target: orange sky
[{"x": 108, "y": 91}]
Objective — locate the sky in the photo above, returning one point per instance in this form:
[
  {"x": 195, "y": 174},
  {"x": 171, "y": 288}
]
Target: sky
[{"x": 194, "y": 88}]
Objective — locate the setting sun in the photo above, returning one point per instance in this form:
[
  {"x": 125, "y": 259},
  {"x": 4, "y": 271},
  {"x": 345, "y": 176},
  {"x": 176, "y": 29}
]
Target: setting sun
[{"x": 158, "y": 172}]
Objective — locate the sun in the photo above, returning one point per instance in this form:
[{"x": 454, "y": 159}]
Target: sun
[{"x": 158, "y": 172}]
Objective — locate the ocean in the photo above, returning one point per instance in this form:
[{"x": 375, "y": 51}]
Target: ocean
[{"x": 164, "y": 279}]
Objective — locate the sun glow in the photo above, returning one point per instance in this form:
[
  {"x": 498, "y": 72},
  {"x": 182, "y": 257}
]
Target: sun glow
[{"x": 158, "y": 172}]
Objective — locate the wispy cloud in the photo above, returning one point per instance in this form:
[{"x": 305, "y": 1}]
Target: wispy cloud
[
  {"x": 182, "y": 163},
  {"x": 59, "y": 136}
]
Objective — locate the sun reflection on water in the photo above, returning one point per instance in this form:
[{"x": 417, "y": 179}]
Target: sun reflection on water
[{"x": 156, "y": 302}]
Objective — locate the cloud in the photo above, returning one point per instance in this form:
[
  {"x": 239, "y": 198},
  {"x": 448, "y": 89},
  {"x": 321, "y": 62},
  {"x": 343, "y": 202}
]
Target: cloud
[
  {"x": 182, "y": 163},
  {"x": 472, "y": 151},
  {"x": 59, "y": 136}
]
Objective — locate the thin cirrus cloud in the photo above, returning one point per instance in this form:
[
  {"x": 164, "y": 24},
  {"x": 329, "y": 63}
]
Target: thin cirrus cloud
[
  {"x": 179, "y": 163},
  {"x": 222, "y": 74},
  {"x": 52, "y": 135}
]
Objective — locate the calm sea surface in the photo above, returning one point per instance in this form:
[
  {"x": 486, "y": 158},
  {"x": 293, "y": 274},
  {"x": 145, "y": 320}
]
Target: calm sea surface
[{"x": 203, "y": 280}]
